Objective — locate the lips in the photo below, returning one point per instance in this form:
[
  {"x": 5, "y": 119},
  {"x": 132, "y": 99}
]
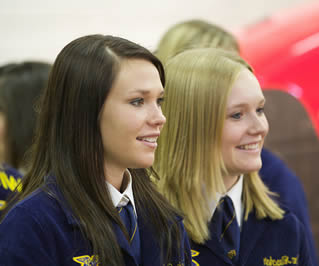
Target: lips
[
  {"x": 148, "y": 139},
  {"x": 248, "y": 147}
]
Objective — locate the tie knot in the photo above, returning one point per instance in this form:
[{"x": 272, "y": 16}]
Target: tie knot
[{"x": 127, "y": 207}]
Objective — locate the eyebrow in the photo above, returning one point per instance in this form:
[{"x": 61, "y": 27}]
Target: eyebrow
[
  {"x": 262, "y": 101},
  {"x": 144, "y": 92}
]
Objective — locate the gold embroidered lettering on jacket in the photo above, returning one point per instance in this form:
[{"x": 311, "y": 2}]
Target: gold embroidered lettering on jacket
[
  {"x": 194, "y": 254},
  {"x": 9, "y": 183},
  {"x": 284, "y": 260}
]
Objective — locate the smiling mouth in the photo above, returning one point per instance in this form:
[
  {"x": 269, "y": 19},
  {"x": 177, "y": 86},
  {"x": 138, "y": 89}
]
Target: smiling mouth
[
  {"x": 249, "y": 147},
  {"x": 148, "y": 139}
]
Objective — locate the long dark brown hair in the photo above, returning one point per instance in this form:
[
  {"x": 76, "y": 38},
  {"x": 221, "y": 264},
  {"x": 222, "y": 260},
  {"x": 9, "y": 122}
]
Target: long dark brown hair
[{"x": 68, "y": 145}]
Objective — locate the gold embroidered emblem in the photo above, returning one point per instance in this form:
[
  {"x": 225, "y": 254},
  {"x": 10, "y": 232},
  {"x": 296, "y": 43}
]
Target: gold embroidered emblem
[
  {"x": 231, "y": 254},
  {"x": 87, "y": 260}
]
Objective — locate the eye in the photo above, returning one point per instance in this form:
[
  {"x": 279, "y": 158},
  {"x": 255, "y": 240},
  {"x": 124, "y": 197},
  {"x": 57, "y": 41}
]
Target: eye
[
  {"x": 137, "y": 102},
  {"x": 260, "y": 110},
  {"x": 160, "y": 101},
  {"x": 236, "y": 116}
]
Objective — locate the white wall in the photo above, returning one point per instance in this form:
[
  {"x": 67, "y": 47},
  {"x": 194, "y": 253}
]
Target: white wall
[{"x": 39, "y": 29}]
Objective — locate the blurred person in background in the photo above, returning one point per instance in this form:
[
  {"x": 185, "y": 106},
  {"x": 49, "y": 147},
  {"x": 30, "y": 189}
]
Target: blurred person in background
[
  {"x": 208, "y": 160},
  {"x": 20, "y": 87},
  {"x": 87, "y": 197},
  {"x": 194, "y": 34},
  {"x": 274, "y": 172}
]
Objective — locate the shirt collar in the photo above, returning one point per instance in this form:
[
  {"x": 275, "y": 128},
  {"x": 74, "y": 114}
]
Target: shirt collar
[
  {"x": 235, "y": 194},
  {"x": 121, "y": 199}
]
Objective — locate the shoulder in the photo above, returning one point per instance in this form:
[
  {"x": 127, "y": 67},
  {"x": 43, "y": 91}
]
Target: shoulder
[
  {"x": 288, "y": 230},
  {"x": 35, "y": 210},
  {"x": 289, "y": 227},
  {"x": 36, "y": 231},
  {"x": 290, "y": 221},
  {"x": 37, "y": 219},
  {"x": 39, "y": 211}
]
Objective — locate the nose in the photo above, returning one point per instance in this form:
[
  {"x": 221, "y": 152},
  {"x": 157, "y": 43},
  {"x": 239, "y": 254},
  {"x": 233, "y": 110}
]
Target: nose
[
  {"x": 157, "y": 117},
  {"x": 259, "y": 125}
]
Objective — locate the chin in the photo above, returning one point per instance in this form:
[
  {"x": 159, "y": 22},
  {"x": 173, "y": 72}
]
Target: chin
[
  {"x": 247, "y": 169},
  {"x": 252, "y": 169},
  {"x": 144, "y": 163}
]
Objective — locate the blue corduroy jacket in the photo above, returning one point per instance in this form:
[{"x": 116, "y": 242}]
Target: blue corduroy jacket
[
  {"x": 279, "y": 178},
  {"x": 40, "y": 231},
  {"x": 262, "y": 242}
]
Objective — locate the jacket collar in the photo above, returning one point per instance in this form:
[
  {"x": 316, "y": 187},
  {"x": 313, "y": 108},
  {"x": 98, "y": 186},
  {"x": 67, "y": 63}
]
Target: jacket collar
[{"x": 148, "y": 243}]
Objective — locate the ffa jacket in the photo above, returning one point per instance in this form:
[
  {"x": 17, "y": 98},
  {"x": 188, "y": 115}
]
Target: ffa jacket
[
  {"x": 40, "y": 231},
  {"x": 262, "y": 242},
  {"x": 9, "y": 178},
  {"x": 279, "y": 178}
]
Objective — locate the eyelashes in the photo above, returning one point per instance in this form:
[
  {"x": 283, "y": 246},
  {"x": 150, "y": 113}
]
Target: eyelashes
[
  {"x": 137, "y": 102},
  {"x": 236, "y": 116},
  {"x": 239, "y": 115},
  {"x": 160, "y": 101},
  {"x": 261, "y": 110},
  {"x": 140, "y": 101}
]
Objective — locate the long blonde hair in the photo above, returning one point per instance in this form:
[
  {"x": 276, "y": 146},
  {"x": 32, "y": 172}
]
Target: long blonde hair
[{"x": 189, "y": 159}]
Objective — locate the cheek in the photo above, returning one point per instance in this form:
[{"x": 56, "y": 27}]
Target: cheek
[
  {"x": 134, "y": 121},
  {"x": 266, "y": 125},
  {"x": 229, "y": 140},
  {"x": 232, "y": 134}
]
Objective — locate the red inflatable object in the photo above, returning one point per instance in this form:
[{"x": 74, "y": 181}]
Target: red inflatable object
[{"x": 283, "y": 49}]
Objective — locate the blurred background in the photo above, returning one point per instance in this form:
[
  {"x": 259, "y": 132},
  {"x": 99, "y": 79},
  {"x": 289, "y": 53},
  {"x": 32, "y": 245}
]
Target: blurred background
[{"x": 38, "y": 30}]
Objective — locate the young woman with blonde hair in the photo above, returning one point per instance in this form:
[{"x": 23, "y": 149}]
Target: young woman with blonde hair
[{"x": 209, "y": 155}]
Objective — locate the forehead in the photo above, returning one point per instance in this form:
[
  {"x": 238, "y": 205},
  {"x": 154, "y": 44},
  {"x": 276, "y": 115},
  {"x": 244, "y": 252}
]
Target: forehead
[
  {"x": 136, "y": 74},
  {"x": 245, "y": 90}
]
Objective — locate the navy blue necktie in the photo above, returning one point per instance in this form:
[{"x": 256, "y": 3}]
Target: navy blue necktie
[
  {"x": 130, "y": 221},
  {"x": 225, "y": 224}
]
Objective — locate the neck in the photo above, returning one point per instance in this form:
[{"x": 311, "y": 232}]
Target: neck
[
  {"x": 230, "y": 181},
  {"x": 115, "y": 177}
]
